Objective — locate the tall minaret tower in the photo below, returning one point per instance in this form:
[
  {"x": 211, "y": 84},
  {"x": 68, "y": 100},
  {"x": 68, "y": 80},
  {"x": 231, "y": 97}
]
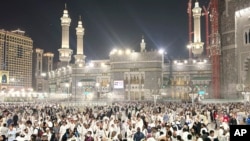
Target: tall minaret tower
[
  {"x": 197, "y": 46},
  {"x": 79, "y": 57},
  {"x": 37, "y": 78},
  {"x": 143, "y": 45},
  {"x": 65, "y": 52}
]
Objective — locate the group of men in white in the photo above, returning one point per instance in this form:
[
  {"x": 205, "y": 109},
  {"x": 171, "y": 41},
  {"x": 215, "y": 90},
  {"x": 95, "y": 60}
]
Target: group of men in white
[{"x": 120, "y": 122}]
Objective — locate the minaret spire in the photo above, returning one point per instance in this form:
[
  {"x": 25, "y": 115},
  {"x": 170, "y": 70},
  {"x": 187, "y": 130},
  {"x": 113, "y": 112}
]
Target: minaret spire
[
  {"x": 143, "y": 45},
  {"x": 65, "y": 52},
  {"x": 80, "y": 21},
  {"x": 79, "y": 57},
  {"x": 197, "y": 46}
]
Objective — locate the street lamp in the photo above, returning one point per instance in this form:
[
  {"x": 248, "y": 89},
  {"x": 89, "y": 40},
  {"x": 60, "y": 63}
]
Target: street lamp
[
  {"x": 43, "y": 75},
  {"x": 193, "y": 96},
  {"x": 192, "y": 91},
  {"x": 155, "y": 99},
  {"x": 108, "y": 90},
  {"x": 97, "y": 89},
  {"x": 79, "y": 84},
  {"x": 67, "y": 86},
  {"x": 155, "y": 96},
  {"x": 162, "y": 53}
]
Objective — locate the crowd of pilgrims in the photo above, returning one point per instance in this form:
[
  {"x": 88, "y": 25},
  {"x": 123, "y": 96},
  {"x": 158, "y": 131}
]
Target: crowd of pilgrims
[{"x": 134, "y": 121}]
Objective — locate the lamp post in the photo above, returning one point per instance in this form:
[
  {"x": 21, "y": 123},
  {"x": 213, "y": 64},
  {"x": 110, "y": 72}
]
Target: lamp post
[
  {"x": 192, "y": 93},
  {"x": 97, "y": 89},
  {"x": 162, "y": 53},
  {"x": 193, "y": 96},
  {"x": 107, "y": 90},
  {"x": 43, "y": 75},
  {"x": 155, "y": 96},
  {"x": 67, "y": 86},
  {"x": 79, "y": 84}
]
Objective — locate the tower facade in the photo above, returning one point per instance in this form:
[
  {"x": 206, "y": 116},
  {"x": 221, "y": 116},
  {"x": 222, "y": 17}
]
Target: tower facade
[
  {"x": 197, "y": 45},
  {"x": 229, "y": 77},
  {"x": 38, "y": 60},
  {"x": 79, "y": 57},
  {"x": 16, "y": 57},
  {"x": 235, "y": 33},
  {"x": 48, "y": 61},
  {"x": 43, "y": 63},
  {"x": 65, "y": 52},
  {"x": 37, "y": 69}
]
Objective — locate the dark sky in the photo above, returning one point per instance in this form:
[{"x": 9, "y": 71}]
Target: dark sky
[{"x": 107, "y": 23}]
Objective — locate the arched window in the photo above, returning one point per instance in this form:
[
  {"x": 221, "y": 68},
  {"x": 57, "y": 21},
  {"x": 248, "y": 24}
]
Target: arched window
[{"x": 4, "y": 78}]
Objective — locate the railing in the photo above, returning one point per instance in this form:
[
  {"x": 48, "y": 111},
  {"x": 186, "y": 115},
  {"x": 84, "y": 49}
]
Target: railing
[{"x": 221, "y": 101}]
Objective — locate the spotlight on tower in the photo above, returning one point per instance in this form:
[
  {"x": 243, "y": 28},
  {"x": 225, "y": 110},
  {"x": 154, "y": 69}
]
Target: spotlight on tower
[{"x": 161, "y": 51}]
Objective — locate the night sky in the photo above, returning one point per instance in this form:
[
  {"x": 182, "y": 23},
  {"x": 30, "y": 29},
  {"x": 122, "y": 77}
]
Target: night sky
[{"x": 108, "y": 24}]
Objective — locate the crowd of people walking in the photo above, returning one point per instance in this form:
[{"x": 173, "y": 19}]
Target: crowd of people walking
[{"x": 128, "y": 121}]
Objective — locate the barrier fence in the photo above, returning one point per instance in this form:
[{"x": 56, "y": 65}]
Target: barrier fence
[{"x": 82, "y": 101}]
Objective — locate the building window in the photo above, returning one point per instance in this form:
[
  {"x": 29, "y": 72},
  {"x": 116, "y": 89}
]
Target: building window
[
  {"x": 4, "y": 79},
  {"x": 19, "y": 52}
]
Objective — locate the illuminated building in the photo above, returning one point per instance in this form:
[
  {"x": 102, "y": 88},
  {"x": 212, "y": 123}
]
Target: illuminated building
[
  {"x": 235, "y": 46},
  {"x": 126, "y": 74},
  {"x": 16, "y": 59}
]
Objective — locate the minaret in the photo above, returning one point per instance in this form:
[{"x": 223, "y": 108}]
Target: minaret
[
  {"x": 39, "y": 61},
  {"x": 65, "y": 52},
  {"x": 79, "y": 57},
  {"x": 37, "y": 69},
  {"x": 143, "y": 45},
  {"x": 48, "y": 62},
  {"x": 197, "y": 46}
]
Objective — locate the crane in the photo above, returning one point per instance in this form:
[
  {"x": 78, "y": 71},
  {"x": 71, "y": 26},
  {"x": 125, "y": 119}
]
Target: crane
[
  {"x": 212, "y": 40},
  {"x": 213, "y": 46}
]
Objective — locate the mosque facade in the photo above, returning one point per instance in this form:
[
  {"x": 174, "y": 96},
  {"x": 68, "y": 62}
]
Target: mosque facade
[
  {"x": 126, "y": 74},
  {"x": 131, "y": 75},
  {"x": 235, "y": 37}
]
